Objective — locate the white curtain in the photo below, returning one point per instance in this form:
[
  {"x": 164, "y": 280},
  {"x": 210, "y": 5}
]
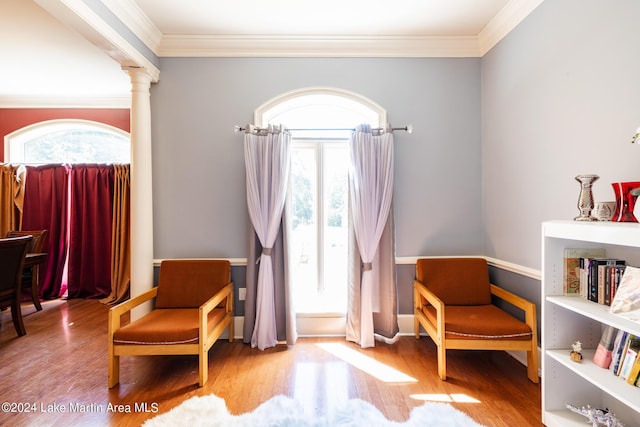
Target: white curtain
[
  {"x": 267, "y": 160},
  {"x": 371, "y": 193}
]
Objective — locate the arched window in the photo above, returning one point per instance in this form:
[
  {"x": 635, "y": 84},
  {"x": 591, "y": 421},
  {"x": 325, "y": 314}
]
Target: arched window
[
  {"x": 59, "y": 142},
  {"x": 320, "y": 108},
  {"x": 321, "y": 119},
  {"x": 68, "y": 141}
]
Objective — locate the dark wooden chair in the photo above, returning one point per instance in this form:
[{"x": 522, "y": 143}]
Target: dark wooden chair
[
  {"x": 30, "y": 274},
  {"x": 453, "y": 303},
  {"x": 193, "y": 306},
  {"x": 12, "y": 253}
]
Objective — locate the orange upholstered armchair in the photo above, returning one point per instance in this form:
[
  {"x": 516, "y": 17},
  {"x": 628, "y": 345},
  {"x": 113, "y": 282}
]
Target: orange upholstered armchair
[
  {"x": 193, "y": 306},
  {"x": 453, "y": 303}
]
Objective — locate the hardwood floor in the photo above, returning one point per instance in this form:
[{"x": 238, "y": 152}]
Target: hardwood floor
[{"x": 61, "y": 365}]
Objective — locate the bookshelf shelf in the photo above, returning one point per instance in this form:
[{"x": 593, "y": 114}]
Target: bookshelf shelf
[
  {"x": 599, "y": 377},
  {"x": 595, "y": 311},
  {"x": 566, "y": 319}
]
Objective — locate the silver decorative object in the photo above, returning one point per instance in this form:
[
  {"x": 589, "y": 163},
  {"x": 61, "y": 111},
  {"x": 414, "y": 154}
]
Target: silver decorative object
[
  {"x": 604, "y": 210},
  {"x": 597, "y": 417},
  {"x": 585, "y": 201}
]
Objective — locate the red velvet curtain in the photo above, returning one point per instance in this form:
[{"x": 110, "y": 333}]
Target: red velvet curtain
[
  {"x": 91, "y": 207},
  {"x": 45, "y": 207}
]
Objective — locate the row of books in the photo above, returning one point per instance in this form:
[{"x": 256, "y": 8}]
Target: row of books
[
  {"x": 590, "y": 274},
  {"x": 618, "y": 351}
]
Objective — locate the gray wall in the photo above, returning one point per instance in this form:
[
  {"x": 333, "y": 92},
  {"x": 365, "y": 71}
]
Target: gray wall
[
  {"x": 560, "y": 97},
  {"x": 497, "y": 141},
  {"x": 198, "y": 167}
]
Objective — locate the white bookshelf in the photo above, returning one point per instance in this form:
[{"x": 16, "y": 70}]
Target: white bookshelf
[{"x": 569, "y": 319}]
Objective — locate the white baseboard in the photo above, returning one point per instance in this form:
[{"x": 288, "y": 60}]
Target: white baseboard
[{"x": 323, "y": 326}]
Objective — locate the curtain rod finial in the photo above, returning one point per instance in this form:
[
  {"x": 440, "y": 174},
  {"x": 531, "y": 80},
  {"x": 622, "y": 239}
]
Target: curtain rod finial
[
  {"x": 237, "y": 128},
  {"x": 409, "y": 128}
]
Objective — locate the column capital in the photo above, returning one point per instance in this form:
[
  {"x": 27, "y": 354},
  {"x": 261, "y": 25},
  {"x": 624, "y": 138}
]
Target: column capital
[{"x": 139, "y": 74}]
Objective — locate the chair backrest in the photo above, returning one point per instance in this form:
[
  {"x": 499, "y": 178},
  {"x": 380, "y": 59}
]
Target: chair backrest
[
  {"x": 456, "y": 281},
  {"x": 12, "y": 252},
  {"x": 37, "y": 243},
  {"x": 190, "y": 283}
]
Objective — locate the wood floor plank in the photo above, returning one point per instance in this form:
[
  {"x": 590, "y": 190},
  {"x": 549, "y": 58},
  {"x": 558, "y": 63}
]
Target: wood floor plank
[{"x": 61, "y": 364}]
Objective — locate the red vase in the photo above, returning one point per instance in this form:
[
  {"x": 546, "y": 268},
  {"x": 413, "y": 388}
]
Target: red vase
[{"x": 625, "y": 201}]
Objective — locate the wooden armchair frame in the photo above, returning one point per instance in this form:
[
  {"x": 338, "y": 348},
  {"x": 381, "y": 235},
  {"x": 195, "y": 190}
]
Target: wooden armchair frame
[
  {"x": 437, "y": 330},
  {"x": 206, "y": 337}
]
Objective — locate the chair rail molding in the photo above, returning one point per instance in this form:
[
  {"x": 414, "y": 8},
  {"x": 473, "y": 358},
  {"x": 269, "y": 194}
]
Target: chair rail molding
[{"x": 494, "y": 262}]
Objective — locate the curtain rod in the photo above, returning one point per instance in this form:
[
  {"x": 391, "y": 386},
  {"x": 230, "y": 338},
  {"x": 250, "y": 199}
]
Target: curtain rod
[{"x": 388, "y": 128}]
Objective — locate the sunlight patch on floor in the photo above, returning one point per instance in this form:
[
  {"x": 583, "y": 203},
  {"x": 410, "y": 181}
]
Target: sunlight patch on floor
[
  {"x": 370, "y": 366},
  {"x": 451, "y": 398}
]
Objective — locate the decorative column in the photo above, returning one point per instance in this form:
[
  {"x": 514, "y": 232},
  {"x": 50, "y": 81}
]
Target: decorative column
[{"x": 141, "y": 233}]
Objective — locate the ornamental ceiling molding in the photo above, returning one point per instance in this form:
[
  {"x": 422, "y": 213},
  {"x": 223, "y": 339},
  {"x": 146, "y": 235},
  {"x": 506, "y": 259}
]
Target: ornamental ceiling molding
[
  {"x": 317, "y": 46},
  {"x": 321, "y": 46},
  {"x": 115, "y": 102}
]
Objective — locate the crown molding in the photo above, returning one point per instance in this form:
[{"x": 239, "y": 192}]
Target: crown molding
[
  {"x": 320, "y": 45},
  {"x": 65, "y": 102},
  {"x": 504, "y": 22},
  {"x": 317, "y": 46}
]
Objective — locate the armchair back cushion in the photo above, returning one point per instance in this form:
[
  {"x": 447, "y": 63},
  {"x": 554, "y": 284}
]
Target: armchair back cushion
[
  {"x": 456, "y": 281},
  {"x": 205, "y": 278}
]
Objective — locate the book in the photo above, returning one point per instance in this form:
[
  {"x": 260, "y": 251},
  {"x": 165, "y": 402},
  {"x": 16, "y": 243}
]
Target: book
[
  {"x": 596, "y": 277},
  {"x": 635, "y": 372},
  {"x": 592, "y": 279},
  {"x": 623, "y": 353},
  {"x": 584, "y": 277},
  {"x": 603, "y": 354},
  {"x": 572, "y": 257},
  {"x": 616, "y": 273},
  {"x": 616, "y": 353},
  {"x": 630, "y": 359}
]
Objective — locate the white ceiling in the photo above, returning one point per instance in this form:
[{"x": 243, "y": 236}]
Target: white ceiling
[
  {"x": 44, "y": 62},
  {"x": 327, "y": 17}
]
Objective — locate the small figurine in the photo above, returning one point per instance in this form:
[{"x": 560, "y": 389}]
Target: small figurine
[
  {"x": 575, "y": 355},
  {"x": 597, "y": 417}
]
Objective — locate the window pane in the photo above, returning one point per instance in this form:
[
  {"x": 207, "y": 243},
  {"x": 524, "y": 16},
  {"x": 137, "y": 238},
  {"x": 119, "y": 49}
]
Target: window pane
[
  {"x": 304, "y": 212},
  {"x": 335, "y": 234},
  {"x": 319, "y": 283},
  {"x": 77, "y": 146},
  {"x": 318, "y": 240}
]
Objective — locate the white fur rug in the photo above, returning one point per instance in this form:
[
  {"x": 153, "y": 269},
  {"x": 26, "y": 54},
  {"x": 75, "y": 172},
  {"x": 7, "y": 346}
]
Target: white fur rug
[{"x": 282, "y": 411}]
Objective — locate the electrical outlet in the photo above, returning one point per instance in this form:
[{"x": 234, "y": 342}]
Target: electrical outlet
[{"x": 242, "y": 294}]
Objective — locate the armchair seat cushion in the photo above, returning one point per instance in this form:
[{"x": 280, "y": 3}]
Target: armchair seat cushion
[
  {"x": 480, "y": 322},
  {"x": 166, "y": 326}
]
